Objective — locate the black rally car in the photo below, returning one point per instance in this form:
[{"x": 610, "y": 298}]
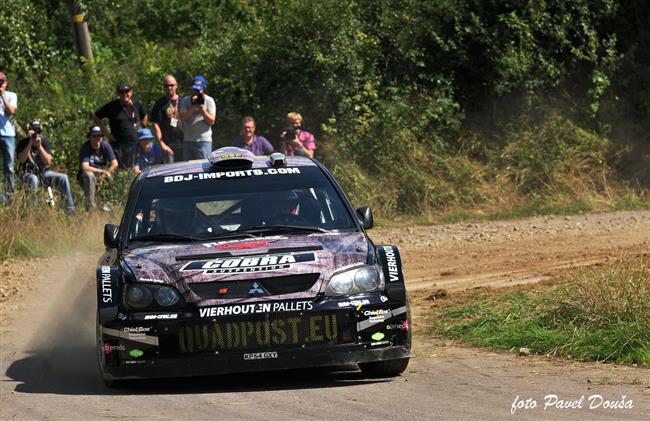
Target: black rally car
[{"x": 243, "y": 263}]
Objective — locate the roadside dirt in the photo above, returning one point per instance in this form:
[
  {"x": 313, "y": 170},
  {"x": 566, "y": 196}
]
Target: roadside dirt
[{"x": 49, "y": 370}]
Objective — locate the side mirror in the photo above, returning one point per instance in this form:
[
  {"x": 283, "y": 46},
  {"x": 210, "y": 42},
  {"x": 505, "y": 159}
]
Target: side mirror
[
  {"x": 110, "y": 235},
  {"x": 365, "y": 216}
]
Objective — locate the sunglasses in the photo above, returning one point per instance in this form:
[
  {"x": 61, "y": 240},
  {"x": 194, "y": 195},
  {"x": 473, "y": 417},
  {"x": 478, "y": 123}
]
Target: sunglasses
[
  {"x": 3, "y": 80},
  {"x": 169, "y": 85},
  {"x": 123, "y": 91}
]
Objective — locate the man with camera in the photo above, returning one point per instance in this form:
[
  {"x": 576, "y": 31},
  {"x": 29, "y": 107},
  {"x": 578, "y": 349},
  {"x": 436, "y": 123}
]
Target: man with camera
[
  {"x": 198, "y": 113},
  {"x": 124, "y": 115},
  {"x": 8, "y": 107},
  {"x": 35, "y": 157},
  {"x": 259, "y": 145},
  {"x": 97, "y": 163},
  {"x": 166, "y": 121},
  {"x": 296, "y": 141}
]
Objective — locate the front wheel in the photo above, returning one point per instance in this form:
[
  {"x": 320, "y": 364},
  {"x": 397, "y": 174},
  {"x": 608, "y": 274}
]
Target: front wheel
[{"x": 388, "y": 368}]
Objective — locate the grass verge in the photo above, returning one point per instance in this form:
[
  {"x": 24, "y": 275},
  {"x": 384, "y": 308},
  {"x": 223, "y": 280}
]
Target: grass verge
[
  {"x": 599, "y": 314},
  {"x": 39, "y": 231}
]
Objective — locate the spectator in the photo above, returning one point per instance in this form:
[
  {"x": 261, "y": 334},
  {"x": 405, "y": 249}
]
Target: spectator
[
  {"x": 8, "y": 107},
  {"x": 149, "y": 152},
  {"x": 198, "y": 113},
  {"x": 296, "y": 141},
  {"x": 123, "y": 116},
  {"x": 167, "y": 126},
  {"x": 259, "y": 145},
  {"x": 35, "y": 157},
  {"x": 97, "y": 161}
]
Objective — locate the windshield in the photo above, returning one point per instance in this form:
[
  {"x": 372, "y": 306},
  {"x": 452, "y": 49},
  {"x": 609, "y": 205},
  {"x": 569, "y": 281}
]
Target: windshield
[{"x": 189, "y": 208}]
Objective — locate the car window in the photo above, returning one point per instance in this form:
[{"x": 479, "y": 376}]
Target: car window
[{"x": 199, "y": 208}]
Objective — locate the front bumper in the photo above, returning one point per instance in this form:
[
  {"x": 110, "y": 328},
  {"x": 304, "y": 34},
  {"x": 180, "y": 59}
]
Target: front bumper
[{"x": 332, "y": 331}]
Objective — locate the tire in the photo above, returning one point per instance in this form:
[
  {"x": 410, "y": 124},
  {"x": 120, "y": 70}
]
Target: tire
[{"x": 388, "y": 368}]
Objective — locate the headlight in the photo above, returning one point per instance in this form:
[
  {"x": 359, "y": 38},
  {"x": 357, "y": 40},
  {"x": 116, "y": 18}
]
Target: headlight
[
  {"x": 166, "y": 296},
  {"x": 138, "y": 296},
  {"x": 363, "y": 279}
]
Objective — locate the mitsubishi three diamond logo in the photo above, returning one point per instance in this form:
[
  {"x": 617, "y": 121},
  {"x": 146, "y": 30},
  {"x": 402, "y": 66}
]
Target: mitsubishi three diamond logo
[{"x": 256, "y": 289}]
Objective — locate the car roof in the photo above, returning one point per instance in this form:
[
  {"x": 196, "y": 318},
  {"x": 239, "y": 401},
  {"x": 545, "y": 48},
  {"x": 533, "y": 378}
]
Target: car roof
[{"x": 203, "y": 166}]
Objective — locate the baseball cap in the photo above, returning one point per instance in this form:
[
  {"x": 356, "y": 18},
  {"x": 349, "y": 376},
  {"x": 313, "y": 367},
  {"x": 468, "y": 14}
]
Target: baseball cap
[
  {"x": 145, "y": 134},
  {"x": 94, "y": 131},
  {"x": 199, "y": 83},
  {"x": 35, "y": 124},
  {"x": 123, "y": 86}
]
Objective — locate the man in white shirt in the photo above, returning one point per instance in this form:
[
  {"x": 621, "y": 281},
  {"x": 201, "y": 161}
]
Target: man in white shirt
[
  {"x": 198, "y": 113},
  {"x": 8, "y": 107}
]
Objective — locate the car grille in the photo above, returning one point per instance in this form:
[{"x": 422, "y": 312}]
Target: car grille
[
  {"x": 261, "y": 332},
  {"x": 277, "y": 285}
]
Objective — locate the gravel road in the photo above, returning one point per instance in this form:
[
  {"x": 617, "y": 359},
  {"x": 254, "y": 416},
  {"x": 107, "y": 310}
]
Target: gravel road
[{"x": 49, "y": 369}]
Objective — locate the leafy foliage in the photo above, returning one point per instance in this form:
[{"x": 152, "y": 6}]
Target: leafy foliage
[{"x": 440, "y": 97}]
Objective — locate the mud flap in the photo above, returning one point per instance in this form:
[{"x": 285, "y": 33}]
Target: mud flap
[
  {"x": 391, "y": 264},
  {"x": 107, "y": 293}
]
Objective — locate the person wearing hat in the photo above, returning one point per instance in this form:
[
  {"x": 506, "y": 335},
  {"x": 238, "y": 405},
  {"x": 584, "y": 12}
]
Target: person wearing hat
[
  {"x": 97, "y": 163},
  {"x": 8, "y": 107},
  {"x": 198, "y": 113},
  {"x": 149, "y": 152},
  {"x": 125, "y": 115},
  {"x": 35, "y": 157}
]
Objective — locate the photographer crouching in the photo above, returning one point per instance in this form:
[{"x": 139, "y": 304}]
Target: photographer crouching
[{"x": 35, "y": 157}]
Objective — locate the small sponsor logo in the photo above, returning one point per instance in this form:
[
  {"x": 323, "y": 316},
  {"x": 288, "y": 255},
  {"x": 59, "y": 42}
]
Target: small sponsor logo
[
  {"x": 256, "y": 289},
  {"x": 121, "y": 316},
  {"x": 136, "y": 353},
  {"x": 354, "y": 303},
  {"x": 137, "y": 329},
  {"x": 108, "y": 348},
  {"x": 230, "y": 174},
  {"x": 378, "y": 312},
  {"x": 401, "y": 326},
  {"x": 377, "y": 336},
  {"x": 260, "y": 356},
  {"x": 380, "y": 343},
  {"x": 161, "y": 316},
  {"x": 383, "y": 298},
  {"x": 377, "y": 319}
]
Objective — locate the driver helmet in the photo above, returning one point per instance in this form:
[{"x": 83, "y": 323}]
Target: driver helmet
[
  {"x": 176, "y": 215},
  {"x": 280, "y": 204}
]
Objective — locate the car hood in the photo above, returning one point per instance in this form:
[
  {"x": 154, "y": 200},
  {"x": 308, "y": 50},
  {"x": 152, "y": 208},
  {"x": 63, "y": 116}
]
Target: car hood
[{"x": 193, "y": 268}]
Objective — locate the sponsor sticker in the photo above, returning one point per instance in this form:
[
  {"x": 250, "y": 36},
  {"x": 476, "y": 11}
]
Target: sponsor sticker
[
  {"x": 255, "y": 308},
  {"x": 170, "y": 316},
  {"x": 245, "y": 264},
  {"x": 108, "y": 348},
  {"x": 260, "y": 356},
  {"x": 377, "y": 336},
  {"x": 391, "y": 261},
  {"x": 354, "y": 303},
  {"x": 244, "y": 244},
  {"x": 230, "y": 174},
  {"x": 400, "y": 326},
  {"x": 224, "y": 334},
  {"x": 136, "y": 353},
  {"x": 107, "y": 291},
  {"x": 137, "y": 332},
  {"x": 381, "y": 343}
]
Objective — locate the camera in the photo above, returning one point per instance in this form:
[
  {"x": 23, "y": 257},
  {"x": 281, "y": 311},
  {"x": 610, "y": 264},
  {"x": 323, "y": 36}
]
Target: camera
[
  {"x": 197, "y": 99},
  {"x": 289, "y": 134}
]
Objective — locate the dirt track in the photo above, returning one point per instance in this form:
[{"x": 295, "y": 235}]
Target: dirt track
[{"x": 49, "y": 368}]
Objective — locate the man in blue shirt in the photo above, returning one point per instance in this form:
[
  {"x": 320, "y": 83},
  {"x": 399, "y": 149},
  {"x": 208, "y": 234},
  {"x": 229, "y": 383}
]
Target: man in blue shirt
[
  {"x": 259, "y": 145},
  {"x": 97, "y": 163},
  {"x": 149, "y": 152},
  {"x": 8, "y": 107}
]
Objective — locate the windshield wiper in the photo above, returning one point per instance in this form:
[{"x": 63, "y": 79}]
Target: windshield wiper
[
  {"x": 283, "y": 228},
  {"x": 166, "y": 237},
  {"x": 227, "y": 234}
]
